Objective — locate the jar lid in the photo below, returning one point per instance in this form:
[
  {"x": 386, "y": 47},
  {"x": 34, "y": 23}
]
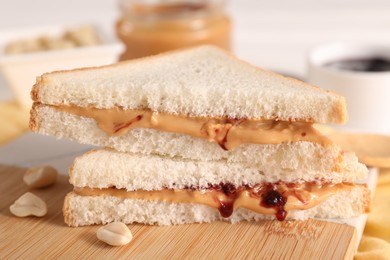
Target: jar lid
[{"x": 169, "y": 9}]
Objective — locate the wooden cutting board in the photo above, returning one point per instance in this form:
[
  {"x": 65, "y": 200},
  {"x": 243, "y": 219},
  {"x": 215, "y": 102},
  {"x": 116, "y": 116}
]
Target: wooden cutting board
[{"x": 49, "y": 237}]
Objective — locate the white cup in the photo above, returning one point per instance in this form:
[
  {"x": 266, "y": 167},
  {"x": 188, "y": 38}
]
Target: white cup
[{"x": 367, "y": 93}]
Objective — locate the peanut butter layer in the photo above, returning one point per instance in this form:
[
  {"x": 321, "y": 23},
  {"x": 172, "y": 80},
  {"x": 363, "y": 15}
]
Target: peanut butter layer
[
  {"x": 265, "y": 198},
  {"x": 228, "y": 133}
]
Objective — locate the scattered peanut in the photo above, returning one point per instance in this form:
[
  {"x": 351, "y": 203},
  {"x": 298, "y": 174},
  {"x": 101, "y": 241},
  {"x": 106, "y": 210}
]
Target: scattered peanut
[
  {"x": 115, "y": 234},
  {"x": 28, "y": 205},
  {"x": 40, "y": 176}
]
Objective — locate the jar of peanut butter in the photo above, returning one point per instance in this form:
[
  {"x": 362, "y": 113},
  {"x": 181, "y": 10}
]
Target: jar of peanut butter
[{"x": 155, "y": 26}]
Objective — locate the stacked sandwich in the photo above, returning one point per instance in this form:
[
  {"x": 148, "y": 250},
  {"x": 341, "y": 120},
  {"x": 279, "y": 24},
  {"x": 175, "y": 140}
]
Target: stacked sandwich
[{"x": 196, "y": 136}]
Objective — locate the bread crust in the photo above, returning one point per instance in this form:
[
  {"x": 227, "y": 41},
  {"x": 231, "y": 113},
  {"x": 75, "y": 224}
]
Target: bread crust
[
  {"x": 33, "y": 123},
  {"x": 68, "y": 217},
  {"x": 367, "y": 198}
]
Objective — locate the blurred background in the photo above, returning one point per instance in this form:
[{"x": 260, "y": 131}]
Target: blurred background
[{"x": 276, "y": 35}]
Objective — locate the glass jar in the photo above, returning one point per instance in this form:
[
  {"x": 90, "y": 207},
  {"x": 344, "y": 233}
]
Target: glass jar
[{"x": 151, "y": 27}]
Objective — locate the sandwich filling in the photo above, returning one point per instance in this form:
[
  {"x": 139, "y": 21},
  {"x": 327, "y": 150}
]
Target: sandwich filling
[
  {"x": 265, "y": 198},
  {"x": 227, "y": 132}
]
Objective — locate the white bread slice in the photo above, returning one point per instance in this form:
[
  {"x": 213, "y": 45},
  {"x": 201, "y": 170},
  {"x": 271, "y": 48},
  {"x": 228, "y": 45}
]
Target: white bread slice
[
  {"x": 88, "y": 210},
  {"x": 109, "y": 168},
  {"x": 287, "y": 157},
  {"x": 201, "y": 81}
]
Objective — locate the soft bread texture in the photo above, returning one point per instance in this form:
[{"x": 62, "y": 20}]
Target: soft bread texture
[
  {"x": 202, "y": 81},
  {"x": 288, "y": 157},
  {"x": 88, "y": 210},
  {"x": 108, "y": 168}
]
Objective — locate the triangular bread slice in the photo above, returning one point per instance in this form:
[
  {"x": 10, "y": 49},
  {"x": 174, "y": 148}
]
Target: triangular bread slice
[
  {"x": 199, "y": 82},
  {"x": 202, "y": 81}
]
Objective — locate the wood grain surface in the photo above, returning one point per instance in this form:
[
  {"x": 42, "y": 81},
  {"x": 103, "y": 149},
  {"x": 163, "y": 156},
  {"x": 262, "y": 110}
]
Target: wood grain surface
[{"x": 50, "y": 238}]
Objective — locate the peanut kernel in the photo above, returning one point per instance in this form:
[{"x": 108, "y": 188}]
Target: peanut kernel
[
  {"x": 28, "y": 205},
  {"x": 115, "y": 234},
  {"x": 40, "y": 176}
]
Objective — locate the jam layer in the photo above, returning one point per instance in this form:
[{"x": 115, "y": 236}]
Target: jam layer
[{"x": 265, "y": 198}]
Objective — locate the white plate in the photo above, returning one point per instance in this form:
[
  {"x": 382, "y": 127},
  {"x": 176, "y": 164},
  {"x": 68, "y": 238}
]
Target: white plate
[{"x": 20, "y": 70}]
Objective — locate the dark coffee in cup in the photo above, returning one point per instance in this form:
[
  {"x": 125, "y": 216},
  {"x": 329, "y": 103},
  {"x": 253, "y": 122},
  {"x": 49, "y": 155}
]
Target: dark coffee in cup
[{"x": 374, "y": 64}]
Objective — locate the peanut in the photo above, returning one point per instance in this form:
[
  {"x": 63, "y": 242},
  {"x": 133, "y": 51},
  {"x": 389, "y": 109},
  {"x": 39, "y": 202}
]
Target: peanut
[
  {"x": 40, "y": 176},
  {"x": 115, "y": 234},
  {"x": 28, "y": 205}
]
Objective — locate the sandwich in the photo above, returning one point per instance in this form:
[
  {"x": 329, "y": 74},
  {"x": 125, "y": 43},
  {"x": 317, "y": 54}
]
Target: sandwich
[
  {"x": 197, "y": 135},
  {"x": 152, "y": 189}
]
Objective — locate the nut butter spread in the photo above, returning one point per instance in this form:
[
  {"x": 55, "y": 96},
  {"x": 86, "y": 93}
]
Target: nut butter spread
[
  {"x": 228, "y": 133},
  {"x": 266, "y": 198}
]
